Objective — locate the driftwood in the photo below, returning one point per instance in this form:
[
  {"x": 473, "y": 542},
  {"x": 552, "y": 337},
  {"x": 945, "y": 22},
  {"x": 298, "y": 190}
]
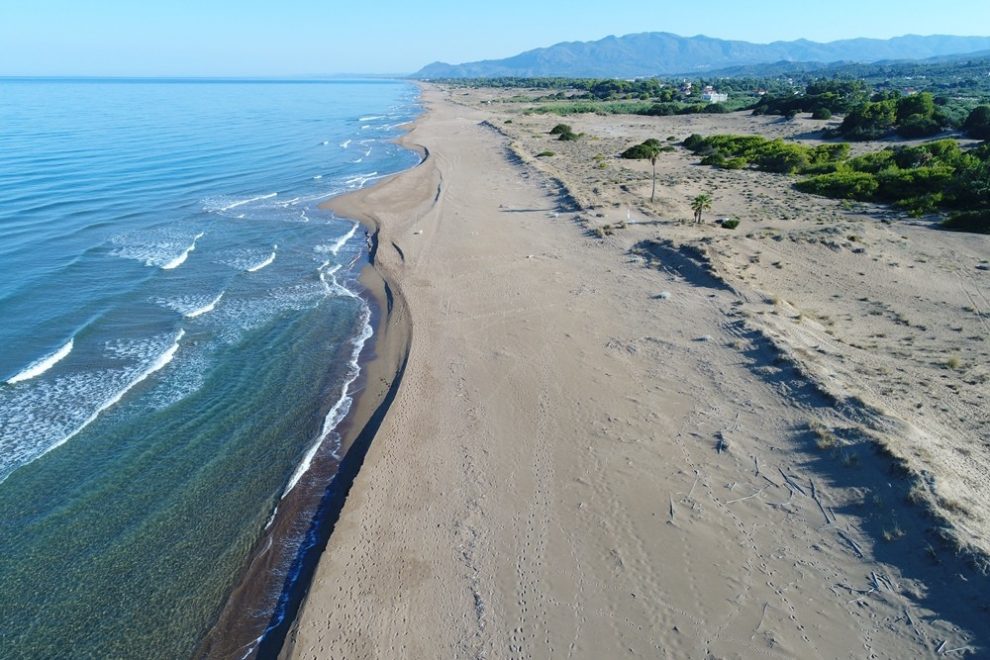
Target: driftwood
[
  {"x": 855, "y": 546},
  {"x": 791, "y": 483},
  {"x": 818, "y": 501},
  {"x": 748, "y": 497}
]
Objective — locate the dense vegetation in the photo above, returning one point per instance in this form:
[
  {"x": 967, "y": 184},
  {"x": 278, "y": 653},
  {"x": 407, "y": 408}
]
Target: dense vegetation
[
  {"x": 912, "y": 116},
  {"x": 913, "y": 99},
  {"x": 919, "y": 179},
  {"x": 821, "y": 97}
]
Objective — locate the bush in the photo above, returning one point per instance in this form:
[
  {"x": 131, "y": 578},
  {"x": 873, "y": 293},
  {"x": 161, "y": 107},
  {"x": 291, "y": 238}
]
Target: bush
[
  {"x": 821, "y": 113},
  {"x": 545, "y": 154},
  {"x": 662, "y": 109},
  {"x": 895, "y": 184},
  {"x": 730, "y": 224},
  {"x": 873, "y": 162},
  {"x": 917, "y": 126},
  {"x": 570, "y": 137},
  {"x": 693, "y": 142},
  {"x": 561, "y": 129},
  {"x": 974, "y": 221},
  {"x": 919, "y": 206},
  {"x": 869, "y": 121},
  {"x": 714, "y": 109},
  {"x": 977, "y": 124},
  {"x": 784, "y": 158},
  {"x": 845, "y": 185}
]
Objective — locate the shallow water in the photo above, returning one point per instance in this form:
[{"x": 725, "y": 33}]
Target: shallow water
[{"x": 179, "y": 321}]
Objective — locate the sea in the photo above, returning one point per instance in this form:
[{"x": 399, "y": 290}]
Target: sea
[{"x": 181, "y": 335}]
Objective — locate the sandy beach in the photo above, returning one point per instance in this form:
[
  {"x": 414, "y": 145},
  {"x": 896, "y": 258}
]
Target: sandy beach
[{"x": 674, "y": 441}]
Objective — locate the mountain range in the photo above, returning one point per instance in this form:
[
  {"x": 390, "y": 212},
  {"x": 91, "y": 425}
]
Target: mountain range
[{"x": 663, "y": 53}]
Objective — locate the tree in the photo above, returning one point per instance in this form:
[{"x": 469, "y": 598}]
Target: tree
[
  {"x": 648, "y": 150},
  {"x": 700, "y": 204}
]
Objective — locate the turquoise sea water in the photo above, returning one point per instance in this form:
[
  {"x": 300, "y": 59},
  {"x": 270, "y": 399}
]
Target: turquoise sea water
[{"x": 179, "y": 331}]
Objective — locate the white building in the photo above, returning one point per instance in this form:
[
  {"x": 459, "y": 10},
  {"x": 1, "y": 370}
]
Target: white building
[{"x": 714, "y": 97}]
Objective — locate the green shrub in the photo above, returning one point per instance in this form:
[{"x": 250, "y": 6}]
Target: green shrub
[
  {"x": 895, "y": 184},
  {"x": 845, "y": 185},
  {"x": 830, "y": 153},
  {"x": 873, "y": 162},
  {"x": 730, "y": 224},
  {"x": 561, "y": 129},
  {"x": 570, "y": 137},
  {"x": 714, "y": 160},
  {"x": 693, "y": 142},
  {"x": 662, "y": 109},
  {"x": 921, "y": 205},
  {"x": 545, "y": 154},
  {"x": 869, "y": 121},
  {"x": 784, "y": 158},
  {"x": 974, "y": 221},
  {"x": 917, "y": 126},
  {"x": 821, "y": 113},
  {"x": 977, "y": 124}
]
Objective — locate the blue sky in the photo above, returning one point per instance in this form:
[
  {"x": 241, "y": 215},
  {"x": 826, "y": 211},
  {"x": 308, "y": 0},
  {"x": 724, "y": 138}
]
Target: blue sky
[{"x": 289, "y": 37}]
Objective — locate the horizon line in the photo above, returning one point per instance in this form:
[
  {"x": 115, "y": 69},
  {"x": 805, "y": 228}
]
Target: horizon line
[{"x": 290, "y": 77}]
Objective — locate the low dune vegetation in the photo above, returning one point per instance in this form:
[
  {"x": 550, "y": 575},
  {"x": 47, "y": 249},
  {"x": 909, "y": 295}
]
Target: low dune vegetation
[{"x": 940, "y": 175}]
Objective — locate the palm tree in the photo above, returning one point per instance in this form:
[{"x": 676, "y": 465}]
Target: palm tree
[
  {"x": 654, "y": 151},
  {"x": 648, "y": 150},
  {"x": 700, "y": 204}
]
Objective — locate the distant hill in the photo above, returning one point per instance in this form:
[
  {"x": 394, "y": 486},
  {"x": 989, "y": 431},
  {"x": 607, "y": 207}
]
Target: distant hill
[
  {"x": 662, "y": 53},
  {"x": 971, "y": 64}
]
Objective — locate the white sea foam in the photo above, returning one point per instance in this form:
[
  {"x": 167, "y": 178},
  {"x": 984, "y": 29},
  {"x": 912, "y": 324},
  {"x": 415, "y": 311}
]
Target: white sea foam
[
  {"x": 345, "y": 144},
  {"x": 45, "y": 414},
  {"x": 371, "y": 118},
  {"x": 155, "y": 247},
  {"x": 205, "y": 309},
  {"x": 160, "y": 362},
  {"x": 329, "y": 280},
  {"x": 324, "y": 143},
  {"x": 181, "y": 259},
  {"x": 262, "y": 264},
  {"x": 339, "y": 410},
  {"x": 359, "y": 180},
  {"x": 42, "y": 365},
  {"x": 342, "y": 241},
  {"x": 241, "y": 202},
  {"x": 317, "y": 177}
]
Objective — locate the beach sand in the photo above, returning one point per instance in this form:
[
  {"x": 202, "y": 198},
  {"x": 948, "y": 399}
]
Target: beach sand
[{"x": 619, "y": 447}]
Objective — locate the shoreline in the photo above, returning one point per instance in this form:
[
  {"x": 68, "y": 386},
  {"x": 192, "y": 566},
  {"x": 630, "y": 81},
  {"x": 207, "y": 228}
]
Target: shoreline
[
  {"x": 382, "y": 372},
  {"x": 381, "y": 363}
]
